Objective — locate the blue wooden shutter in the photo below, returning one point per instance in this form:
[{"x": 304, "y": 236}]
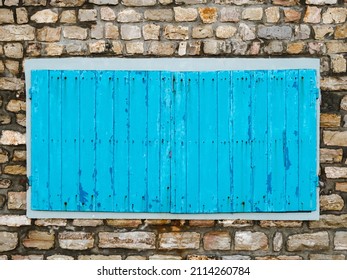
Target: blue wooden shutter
[{"x": 179, "y": 142}]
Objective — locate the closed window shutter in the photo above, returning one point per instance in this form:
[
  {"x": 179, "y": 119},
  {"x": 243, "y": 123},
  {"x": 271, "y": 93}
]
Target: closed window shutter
[{"x": 174, "y": 142}]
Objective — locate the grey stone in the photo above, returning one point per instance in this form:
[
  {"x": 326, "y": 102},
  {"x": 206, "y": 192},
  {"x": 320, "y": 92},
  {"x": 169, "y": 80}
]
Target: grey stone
[{"x": 275, "y": 32}]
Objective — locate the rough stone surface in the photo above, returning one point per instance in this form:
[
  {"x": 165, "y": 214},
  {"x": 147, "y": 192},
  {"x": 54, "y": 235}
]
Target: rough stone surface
[
  {"x": 45, "y": 16},
  {"x": 252, "y": 14},
  {"x": 97, "y": 31},
  {"x": 59, "y": 257},
  {"x": 40, "y": 240},
  {"x": 295, "y": 48},
  {"x": 335, "y": 138},
  {"x": 225, "y": 31},
  {"x": 172, "y": 32},
  {"x": 286, "y": 2},
  {"x": 230, "y": 14},
  {"x": 338, "y": 63},
  {"x": 49, "y": 34},
  {"x": 203, "y": 31},
  {"x": 111, "y": 31},
  {"x": 68, "y": 16},
  {"x": 179, "y": 240},
  {"x": 336, "y": 47},
  {"x": 332, "y": 202},
  {"x": 8, "y": 241},
  {"x": 76, "y": 240},
  {"x": 336, "y": 172},
  {"x": 34, "y": 2},
  {"x": 2, "y": 201},
  {"x": 329, "y": 221},
  {"x": 134, "y": 47},
  {"x": 129, "y": 15},
  {"x": 335, "y": 15},
  {"x": 236, "y": 223},
  {"x": 106, "y": 13},
  {"x": 75, "y": 32},
  {"x": 236, "y": 257},
  {"x": 312, "y": 14},
  {"x": 15, "y": 105},
  {"x": 139, "y": 3},
  {"x": 3, "y": 156},
  {"x": 151, "y": 31},
  {"x": 250, "y": 241},
  {"x": 164, "y": 257},
  {"x": 308, "y": 241},
  {"x": 136, "y": 240},
  {"x": 275, "y": 32},
  {"x": 277, "y": 242},
  {"x": 217, "y": 240},
  {"x": 104, "y": 2},
  {"x": 17, "y": 32},
  {"x": 15, "y": 170},
  {"x": 159, "y": 15},
  {"x": 246, "y": 32},
  {"x": 67, "y": 3},
  {"x": 87, "y": 15},
  {"x": 321, "y": 2},
  {"x": 341, "y": 186},
  {"x": 6, "y": 16},
  {"x": 87, "y": 223},
  {"x": 17, "y": 200},
  {"x": 291, "y": 15},
  {"x": 272, "y": 14},
  {"x": 5, "y": 183},
  {"x": 326, "y": 257},
  {"x": 185, "y": 14},
  {"x": 99, "y": 257},
  {"x": 208, "y": 14},
  {"x": 14, "y": 220},
  {"x": 302, "y": 32},
  {"x": 22, "y": 15},
  {"x": 51, "y": 222},
  {"x": 330, "y": 120},
  {"x": 281, "y": 257},
  {"x": 340, "y": 240},
  {"x": 97, "y": 47},
  {"x": 161, "y": 48},
  {"x": 29, "y": 257},
  {"x": 330, "y": 155},
  {"x": 130, "y": 32},
  {"x": 13, "y": 138}
]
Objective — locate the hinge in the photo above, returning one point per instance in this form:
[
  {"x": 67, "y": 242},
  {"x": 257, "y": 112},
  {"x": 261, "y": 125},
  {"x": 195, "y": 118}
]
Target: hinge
[
  {"x": 30, "y": 180},
  {"x": 30, "y": 92}
]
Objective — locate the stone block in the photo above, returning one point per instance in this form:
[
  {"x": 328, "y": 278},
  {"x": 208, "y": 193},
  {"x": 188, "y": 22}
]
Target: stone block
[
  {"x": 330, "y": 120},
  {"x": 107, "y": 13},
  {"x": 134, "y": 47},
  {"x": 225, "y": 31},
  {"x": 252, "y": 13},
  {"x": 17, "y": 201},
  {"x": 340, "y": 240},
  {"x": 97, "y": 47},
  {"x": 331, "y": 202},
  {"x": 159, "y": 15},
  {"x": 136, "y": 240},
  {"x": 22, "y": 15},
  {"x": 151, "y": 31},
  {"x": 87, "y": 15},
  {"x": 67, "y": 3},
  {"x": 312, "y": 14},
  {"x": 75, "y": 32},
  {"x": 250, "y": 241},
  {"x": 14, "y": 220},
  {"x": 335, "y": 138},
  {"x": 12, "y": 138},
  {"x": 8, "y": 241},
  {"x": 202, "y": 32},
  {"x": 277, "y": 242},
  {"x": 49, "y": 34},
  {"x": 275, "y": 32},
  {"x": 68, "y": 16},
  {"x": 330, "y": 155},
  {"x": 130, "y": 32},
  {"x": 217, "y": 240},
  {"x": 272, "y": 14},
  {"x": 45, "y": 16},
  {"x": 40, "y": 240},
  {"x": 76, "y": 240},
  {"x": 129, "y": 15},
  {"x": 208, "y": 14},
  {"x": 291, "y": 15},
  {"x": 308, "y": 241},
  {"x": 230, "y": 14},
  {"x": 334, "y": 15},
  {"x": 6, "y": 16},
  {"x": 179, "y": 240},
  {"x": 139, "y": 3},
  {"x": 17, "y": 33},
  {"x": 161, "y": 48},
  {"x": 185, "y": 14}
]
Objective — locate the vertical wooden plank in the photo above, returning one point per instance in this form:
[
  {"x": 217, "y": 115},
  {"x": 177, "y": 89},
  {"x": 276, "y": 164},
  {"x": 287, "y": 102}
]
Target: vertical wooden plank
[
  {"x": 259, "y": 140},
  {"x": 307, "y": 139},
  {"x": 208, "y": 142},
  {"x": 231, "y": 140},
  {"x": 121, "y": 136},
  {"x": 86, "y": 191},
  {"x": 223, "y": 162},
  {"x": 104, "y": 138},
  {"x": 277, "y": 123},
  {"x": 179, "y": 171},
  {"x": 193, "y": 143},
  {"x": 154, "y": 102},
  {"x": 55, "y": 144},
  {"x": 70, "y": 140},
  {"x": 292, "y": 140},
  {"x": 242, "y": 137},
  {"x": 165, "y": 140},
  {"x": 39, "y": 139},
  {"x": 138, "y": 141}
]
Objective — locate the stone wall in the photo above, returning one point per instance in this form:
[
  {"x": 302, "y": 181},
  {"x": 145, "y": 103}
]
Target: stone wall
[{"x": 152, "y": 28}]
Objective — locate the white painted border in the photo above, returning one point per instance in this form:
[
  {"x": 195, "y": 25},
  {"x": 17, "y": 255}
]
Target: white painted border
[{"x": 168, "y": 64}]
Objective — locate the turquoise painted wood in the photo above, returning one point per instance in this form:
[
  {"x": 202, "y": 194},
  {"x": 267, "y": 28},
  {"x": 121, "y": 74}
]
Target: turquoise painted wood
[{"x": 174, "y": 142}]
